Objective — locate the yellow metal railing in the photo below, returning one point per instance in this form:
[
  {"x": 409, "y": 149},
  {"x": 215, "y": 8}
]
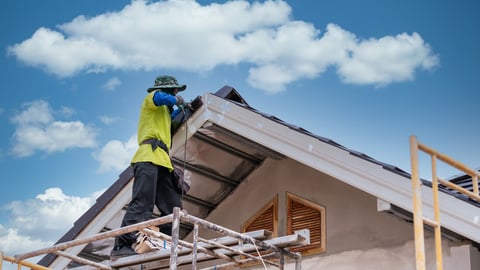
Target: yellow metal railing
[
  {"x": 20, "y": 263},
  {"x": 418, "y": 218}
]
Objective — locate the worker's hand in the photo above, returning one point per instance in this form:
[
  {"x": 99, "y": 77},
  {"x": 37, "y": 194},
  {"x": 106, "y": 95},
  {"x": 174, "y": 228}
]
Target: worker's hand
[
  {"x": 187, "y": 105},
  {"x": 180, "y": 100}
]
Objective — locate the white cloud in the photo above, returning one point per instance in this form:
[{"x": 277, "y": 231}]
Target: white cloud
[
  {"x": 386, "y": 60},
  {"x": 49, "y": 212},
  {"x": 10, "y": 240},
  {"x": 36, "y": 112},
  {"x": 186, "y": 35},
  {"x": 112, "y": 84},
  {"x": 39, "y": 222},
  {"x": 67, "y": 112},
  {"x": 116, "y": 155},
  {"x": 37, "y": 130},
  {"x": 107, "y": 120}
]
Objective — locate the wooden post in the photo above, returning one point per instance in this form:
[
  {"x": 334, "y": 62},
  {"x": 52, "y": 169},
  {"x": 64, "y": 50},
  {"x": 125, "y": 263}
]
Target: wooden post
[
  {"x": 24, "y": 263},
  {"x": 112, "y": 233},
  {"x": 195, "y": 246},
  {"x": 83, "y": 261},
  {"x": 175, "y": 236},
  {"x": 281, "y": 263},
  {"x": 475, "y": 185},
  {"x": 417, "y": 206},
  {"x": 298, "y": 262},
  {"x": 437, "y": 228}
]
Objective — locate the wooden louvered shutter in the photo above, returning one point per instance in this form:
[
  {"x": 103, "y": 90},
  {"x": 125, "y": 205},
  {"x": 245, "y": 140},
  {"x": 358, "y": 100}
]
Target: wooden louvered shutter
[
  {"x": 265, "y": 219},
  {"x": 303, "y": 214}
]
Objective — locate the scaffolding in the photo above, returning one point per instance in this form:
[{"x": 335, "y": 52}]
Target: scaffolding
[
  {"x": 418, "y": 218},
  {"x": 233, "y": 250}
]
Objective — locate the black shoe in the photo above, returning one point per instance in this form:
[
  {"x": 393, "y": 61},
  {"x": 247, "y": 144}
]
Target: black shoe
[{"x": 124, "y": 251}]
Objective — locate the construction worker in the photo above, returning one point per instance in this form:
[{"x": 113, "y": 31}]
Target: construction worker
[{"x": 152, "y": 167}]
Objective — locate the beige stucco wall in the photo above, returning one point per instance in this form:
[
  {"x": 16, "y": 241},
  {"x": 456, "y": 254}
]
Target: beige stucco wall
[
  {"x": 351, "y": 215},
  {"x": 463, "y": 257},
  {"x": 358, "y": 236}
]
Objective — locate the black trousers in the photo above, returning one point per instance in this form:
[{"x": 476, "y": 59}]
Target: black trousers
[{"x": 152, "y": 186}]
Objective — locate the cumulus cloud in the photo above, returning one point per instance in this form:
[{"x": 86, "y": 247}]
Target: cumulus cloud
[
  {"x": 37, "y": 130},
  {"x": 36, "y": 222},
  {"x": 188, "y": 36},
  {"x": 112, "y": 84},
  {"x": 9, "y": 244},
  {"x": 116, "y": 155},
  {"x": 386, "y": 60}
]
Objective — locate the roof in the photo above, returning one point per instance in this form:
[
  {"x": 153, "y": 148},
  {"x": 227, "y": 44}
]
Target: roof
[
  {"x": 225, "y": 140},
  {"x": 463, "y": 181}
]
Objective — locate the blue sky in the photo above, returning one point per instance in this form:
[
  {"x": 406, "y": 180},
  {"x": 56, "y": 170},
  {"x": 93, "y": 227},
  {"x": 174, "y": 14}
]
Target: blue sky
[{"x": 366, "y": 74}]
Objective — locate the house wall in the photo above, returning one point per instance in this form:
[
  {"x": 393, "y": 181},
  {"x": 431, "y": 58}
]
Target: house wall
[
  {"x": 463, "y": 257},
  {"x": 358, "y": 236},
  {"x": 352, "y": 219}
]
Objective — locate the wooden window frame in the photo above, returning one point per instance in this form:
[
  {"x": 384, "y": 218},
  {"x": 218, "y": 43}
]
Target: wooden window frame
[
  {"x": 318, "y": 247},
  {"x": 271, "y": 204}
]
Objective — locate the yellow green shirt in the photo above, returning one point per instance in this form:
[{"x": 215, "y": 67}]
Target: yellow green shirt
[{"x": 154, "y": 122}]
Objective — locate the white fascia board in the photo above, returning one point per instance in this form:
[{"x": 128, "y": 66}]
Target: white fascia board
[
  {"x": 455, "y": 214},
  {"x": 97, "y": 224},
  {"x": 192, "y": 125}
]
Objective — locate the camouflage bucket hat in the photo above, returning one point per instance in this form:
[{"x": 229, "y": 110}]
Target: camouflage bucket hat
[{"x": 166, "y": 82}]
